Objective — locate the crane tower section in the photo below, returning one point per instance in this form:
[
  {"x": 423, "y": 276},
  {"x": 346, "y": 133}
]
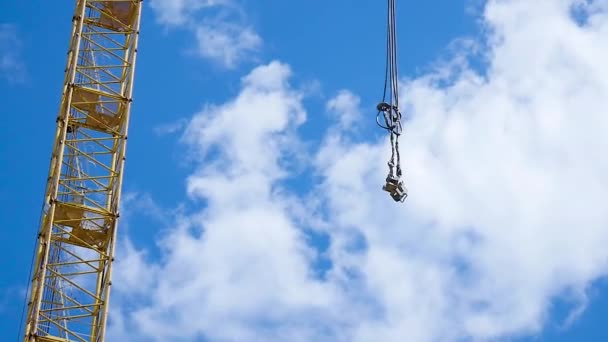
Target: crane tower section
[{"x": 70, "y": 288}]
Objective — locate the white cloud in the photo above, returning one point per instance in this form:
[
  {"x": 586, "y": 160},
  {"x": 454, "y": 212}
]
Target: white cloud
[
  {"x": 180, "y": 12},
  {"x": 133, "y": 274},
  {"x": 506, "y": 178},
  {"x": 249, "y": 269},
  {"x": 220, "y": 36},
  {"x": 510, "y": 166},
  {"x": 345, "y": 106},
  {"x": 170, "y": 127},
  {"x": 227, "y": 43},
  {"x": 12, "y": 67}
]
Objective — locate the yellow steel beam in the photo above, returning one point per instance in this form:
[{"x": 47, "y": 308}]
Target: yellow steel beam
[{"x": 71, "y": 281}]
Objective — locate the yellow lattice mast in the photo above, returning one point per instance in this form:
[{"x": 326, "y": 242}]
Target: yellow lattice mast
[{"x": 71, "y": 280}]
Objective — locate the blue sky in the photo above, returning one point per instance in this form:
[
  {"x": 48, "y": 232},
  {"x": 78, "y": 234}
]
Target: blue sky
[{"x": 311, "y": 187}]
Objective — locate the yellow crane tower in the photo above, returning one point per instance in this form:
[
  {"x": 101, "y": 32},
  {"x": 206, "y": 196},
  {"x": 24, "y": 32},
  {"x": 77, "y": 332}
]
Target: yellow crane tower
[{"x": 70, "y": 288}]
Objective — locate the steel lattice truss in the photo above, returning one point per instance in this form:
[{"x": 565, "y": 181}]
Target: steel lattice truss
[{"x": 71, "y": 281}]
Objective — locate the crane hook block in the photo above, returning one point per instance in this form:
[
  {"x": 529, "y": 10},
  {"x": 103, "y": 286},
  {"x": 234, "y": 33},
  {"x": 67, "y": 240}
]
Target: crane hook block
[{"x": 395, "y": 187}]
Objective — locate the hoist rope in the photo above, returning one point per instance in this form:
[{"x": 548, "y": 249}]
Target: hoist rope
[{"x": 389, "y": 107}]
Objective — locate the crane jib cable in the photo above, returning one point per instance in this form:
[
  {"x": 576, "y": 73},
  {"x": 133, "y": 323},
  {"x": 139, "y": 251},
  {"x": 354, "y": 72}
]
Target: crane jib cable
[{"x": 389, "y": 115}]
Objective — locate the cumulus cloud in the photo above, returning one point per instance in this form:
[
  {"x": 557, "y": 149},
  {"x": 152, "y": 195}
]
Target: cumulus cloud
[
  {"x": 12, "y": 68},
  {"x": 221, "y": 33},
  {"x": 180, "y": 12},
  {"x": 242, "y": 261},
  {"x": 505, "y": 214},
  {"x": 345, "y": 107},
  {"x": 506, "y": 180},
  {"x": 227, "y": 43}
]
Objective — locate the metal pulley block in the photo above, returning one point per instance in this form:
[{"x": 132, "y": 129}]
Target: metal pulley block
[
  {"x": 392, "y": 117},
  {"x": 391, "y": 110},
  {"x": 383, "y": 107},
  {"x": 395, "y": 188}
]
